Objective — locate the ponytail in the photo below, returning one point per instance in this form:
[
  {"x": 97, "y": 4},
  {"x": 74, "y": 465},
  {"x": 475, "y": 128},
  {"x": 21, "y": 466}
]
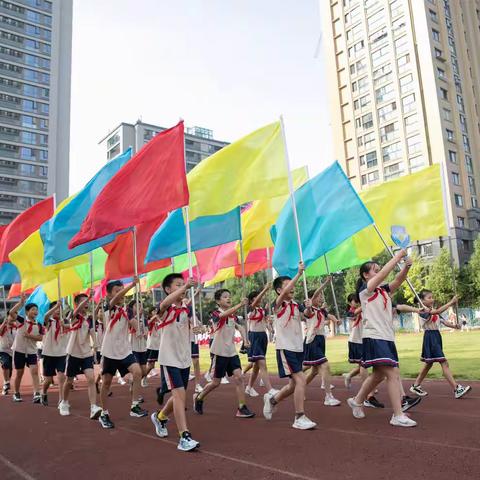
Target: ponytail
[{"x": 364, "y": 268}]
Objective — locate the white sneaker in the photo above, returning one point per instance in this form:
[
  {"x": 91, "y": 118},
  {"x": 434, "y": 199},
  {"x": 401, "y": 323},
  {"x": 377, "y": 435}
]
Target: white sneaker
[
  {"x": 224, "y": 380},
  {"x": 198, "y": 388},
  {"x": 331, "y": 401},
  {"x": 273, "y": 391},
  {"x": 323, "y": 386},
  {"x": 461, "y": 391},
  {"x": 187, "y": 444},
  {"x": 64, "y": 408},
  {"x": 347, "y": 380},
  {"x": 303, "y": 423},
  {"x": 357, "y": 410},
  {"x": 261, "y": 383},
  {"x": 160, "y": 426},
  {"x": 121, "y": 381},
  {"x": 251, "y": 391},
  {"x": 191, "y": 377},
  {"x": 418, "y": 390},
  {"x": 402, "y": 421},
  {"x": 267, "y": 406},
  {"x": 208, "y": 377},
  {"x": 144, "y": 382},
  {"x": 153, "y": 373},
  {"x": 95, "y": 412}
]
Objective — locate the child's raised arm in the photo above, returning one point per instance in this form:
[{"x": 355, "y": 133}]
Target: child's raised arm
[
  {"x": 234, "y": 309},
  {"x": 322, "y": 286},
  {"x": 445, "y": 307},
  {"x": 174, "y": 296},
  {"x": 290, "y": 284},
  {"x": 80, "y": 305},
  {"x": 401, "y": 275},
  {"x": 380, "y": 277},
  {"x": 20, "y": 304},
  {"x": 408, "y": 309},
  {"x": 119, "y": 296},
  {"x": 259, "y": 297},
  {"x": 50, "y": 312}
]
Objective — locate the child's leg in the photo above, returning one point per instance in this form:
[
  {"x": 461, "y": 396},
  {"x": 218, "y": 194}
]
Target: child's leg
[
  {"x": 448, "y": 375},
  {"x": 239, "y": 385},
  {"x": 92, "y": 391},
  {"x": 393, "y": 379},
  {"x": 35, "y": 378},
  {"x": 284, "y": 392},
  {"x": 47, "y": 381},
  {"x": 136, "y": 373},
  {"x": 263, "y": 372},
  {"x": 423, "y": 373},
  {"x": 254, "y": 375},
  {"x": 106, "y": 384},
  {"x": 312, "y": 374},
  {"x": 7, "y": 374},
  {"x": 299, "y": 392},
  {"x": 248, "y": 367},
  {"x": 67, "y": 388},
  {"x": 196, "y": 370},
  {"x": 209, "y": 387},
  {"x": 369, "y": 385},
  {"x": 326, "y": 377},
  {"x": 18, "y": 379},
  {"x": 178, "y": 396},
  {"x": 61, "y": 383},
  {"x": 354, "y": 372}
]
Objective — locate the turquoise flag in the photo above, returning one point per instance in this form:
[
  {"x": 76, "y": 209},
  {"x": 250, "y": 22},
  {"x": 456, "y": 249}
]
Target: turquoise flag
[
  {"x": 40, "y": 299},
  {"x": 170, "y": 239},
  {"x": 62, "y": 227},
  {"x": 329, "y": 211},
  {"x": 9, "y": 274}
]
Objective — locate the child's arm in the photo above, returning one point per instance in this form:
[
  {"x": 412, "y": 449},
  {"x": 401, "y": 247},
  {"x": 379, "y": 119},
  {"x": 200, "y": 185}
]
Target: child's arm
[
  {"x": 380, "y": 277},
  {"x": 37, "y": 338},
  {"x": 320, "y": 289},
  {"x": 450, "y": 324},
  {"x": 290, "y": 284},
  {"x": 234, "y": 309},
  {"x": 401, "y": 276},
  {"x": 79, "y": 306},
  {"x": 118, "y": 298},
  {"x": 445, "y": 307},
  {"x": 258, "y": 298},
  {"x": 50, "y": 313},
  {"x": 333, "y": 318},
  {"x": 20, "y": 304},
  {"x": 408, "y": 309},
  {"x": 174, "y": 296},
  {"x": 243, "y": 333}
]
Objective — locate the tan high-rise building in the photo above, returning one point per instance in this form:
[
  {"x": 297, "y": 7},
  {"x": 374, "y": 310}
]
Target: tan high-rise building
[{"x": 404, "y": 80}]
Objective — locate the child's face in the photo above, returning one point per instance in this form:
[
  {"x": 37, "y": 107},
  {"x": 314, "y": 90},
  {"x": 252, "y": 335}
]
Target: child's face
[
  {"x": 374, "y": 269},
  {"x": 32, "y": 313},
  {"x": 353, "y": 303},
  {"x": 11, "y": 318},
  {"x": 83, "y": 308},
  {"x": 175, "y": 285},
  {"x": 428, "y": 299},
  {"x": 316, "y": 302},
  {"x": 225, "y": 300},
  {"x": 288, "y": 294},
  {"x": 115, "y": 290}
]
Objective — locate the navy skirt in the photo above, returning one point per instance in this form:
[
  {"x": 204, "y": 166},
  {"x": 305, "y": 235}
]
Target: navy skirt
[
  {"x": 258, "y": 346},
  {"x": 355, "y": 352},
  {"x": 379, "y": 353},
  {"x": 314, "y": 352},
  {"x": 432, "y": 349}
]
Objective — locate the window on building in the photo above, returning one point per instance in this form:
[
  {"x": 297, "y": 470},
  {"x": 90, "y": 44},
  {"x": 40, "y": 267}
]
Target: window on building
[
  {"x": 362, "y": 102},
  {"x": 389, "y": 132},
  {"x": 379, "y": 56},
  {"x": 369, "y": 140},
  {"x": 416, "y": 163},
  {"x": 469, "y": 164},
  {"x": 385, "y": 93},
  {"x": 375, "y": 20},
  {"x": 408, "y": 103},
  {"x": 392, "y": 171},
  {"x": 411, "y": 124},
  {"x": 458, "y": 200},
  {"x": 355, "y": 49},
  {"x": 461, "y": 222},
  {"x": 450, "y": 135},
  {"x": 371, "y": 177},
  {"x": 382, "y": 74},
  {"x": 433, "y": 15},
  {"x": 414, "y": 144},
  {"x": 475, "y": 205},
  {"x": 463, "y": 123},
  {"x": 435, "y": 35},
  {"x": 367, "y": 121},
  {"x": 455, "y": 178},
  {"x": 460, "y": 103},
  {"x": 441, "y": 73},
  {"x": 352, "y": 15},
  {"x": 471, "y": 186},
  {"x": 452, "y": 156},
  {"x": 362, "y": 84},
  {"x": 371, "y": 159},
  {"x": 406, "y": 83},
  {"x": 444, "y": 93},
  {"x": 392, "y": 152},
  {"x": 387, "y": 112},
  {"x": 396, "y": 8},
  {"x": 401, "y": 45},
  {"x": 466, "y": 144},
  {"x": 438, "y": 53},
  {"x": 426, "y": 250},
  {"x": 447, "y": 114},
  {"x": 403, "y": 63},
  {"x": 378, "y": 36}
]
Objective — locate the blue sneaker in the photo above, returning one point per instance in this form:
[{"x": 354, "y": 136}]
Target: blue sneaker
[
  {"x": 187, "y": 443},
  {"x": 160, "y": 425}
]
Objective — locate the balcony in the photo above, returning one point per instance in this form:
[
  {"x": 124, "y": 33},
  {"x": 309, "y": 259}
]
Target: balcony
[
  {"x": 23, "y": 186},
  {"x": 28, "y": 16}
]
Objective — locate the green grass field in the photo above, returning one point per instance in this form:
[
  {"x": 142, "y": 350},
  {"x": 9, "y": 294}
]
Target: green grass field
[{"x": 462, "y": 350}]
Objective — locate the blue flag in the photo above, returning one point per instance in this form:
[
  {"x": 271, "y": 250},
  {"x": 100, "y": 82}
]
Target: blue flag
[
  {"x": 62, "y": 227},
  {"x": 39, "y": 297},
  {"x": 9, "y": 274},
  {"x": 329, "y": 211},
  {"x": 170, "y": 239}
]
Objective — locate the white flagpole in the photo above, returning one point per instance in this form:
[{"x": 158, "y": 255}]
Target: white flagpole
[
  {"x": 92, "y": 301},
  {"x": 337, "y": 311},
  {"x": 135, "y": 267},
  {"x": 244, "y": 293},
  {"x": 60, "y": 312},
  {"x": 294, "y": 205}
]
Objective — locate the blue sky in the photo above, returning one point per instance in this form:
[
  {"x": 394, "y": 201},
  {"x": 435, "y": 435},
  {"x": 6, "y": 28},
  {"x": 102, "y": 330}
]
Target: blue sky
[{"x": 228, "y": 65}]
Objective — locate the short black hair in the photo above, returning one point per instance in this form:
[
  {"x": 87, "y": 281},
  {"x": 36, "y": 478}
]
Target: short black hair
[
  {"x": 253, "y": 295},
  {"x": 422, "y": 294},
  {"x": 352, "y": 297},
  {"x": 29, "y": 306},
  {"x": 311, "y": 293},
  {"x": 219, "y": 293},
  {"x": 52, "y": 304},
  {"x": 113, "y": 283},
  {"x": 277, "y": 283},
  {"x": 169, "y": 279},
  {"x": 78, "y": 298}
]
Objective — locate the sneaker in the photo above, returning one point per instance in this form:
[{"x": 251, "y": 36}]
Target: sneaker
[
  {"x": 303, "y": 423},
  {"x": 273, "y": 391},
  {"x": 17, "y": 397},
  {"x": 140, "y": 400},
  {"x": 187, "y": 443},
  {"x": 37, "y": 398},
  {"x": 224, "y": 380},
  {"x": 250, "y": 391},
  {"x": 6, "y": 388},
  {"x": 208, "y": 377},
  {"x": 144, "y": 382},
  {"x": 268, "y": 408},
  {"x": 121, "y": 381},
  {"x": 418, "y": 390},
  {"x": 191, "y": 377},
  {"x": 261, "y": 383},
  {"x": 64, "y": 409},
  {"x": 44, "y": 400},
  {"x": 244, "y": 412},
  {"x": 461, "y": 391},
  {"x": 347, "y": 380},
  {"x": 160, "y": 395},
  {"x": 402, "y": 421},
  {"x": 197, "y": 404},
  {"x": 137, "y": 411},
  {"x": 95, "y": 412},
  {"x": 160, "y": 425},
  {"x": 372, "y": 402},
  {"x": 409, "y": 402},
  {"x": 331, "y": 401},
  {"x": 357, "y": 410},
  {"x": 105, "y": 421},
  {"x": 198, "y": 388},
  {"x": 322, "y": 386}
]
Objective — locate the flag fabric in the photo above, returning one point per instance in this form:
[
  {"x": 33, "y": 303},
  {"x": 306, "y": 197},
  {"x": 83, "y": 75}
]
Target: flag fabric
[
  {"x": 60, "y": 229},
  {"x": 9, "y": 274},
  {"x": 152, "y": 183},
  {"x": 39, "y": 298},
  {"x": 205, "y": 232},
  {"x": 329, "y": 211},
  {"x": 211, "y": 260},
  {"x": 249, "y": 169}
]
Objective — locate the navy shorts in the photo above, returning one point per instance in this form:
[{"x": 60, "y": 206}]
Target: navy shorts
[
  {"x": 289, "y": 362},
  {"x": 314, "y": 352},
  {"x": 355, "y": 352},
  {"x": 5, "y": 360},
  {"x": 379, "y": 353},
  {"x": 258, "y": 346},
  {"x": 53, "y": 365},
  {"x": 222, "y": 366},
  {"x": 173, "y": 377},
  {"x": 98, "y": 357},
  {"x": 141, "y": 357},
  {"x": 77, "y": 366},
  {"x": 195, "y": 350},
  {"x": 152, "y": 356},
  {"x": 111, "y": 365},
  {"x": 22, "y": 359},
  {"x": 432, "y": 349}
]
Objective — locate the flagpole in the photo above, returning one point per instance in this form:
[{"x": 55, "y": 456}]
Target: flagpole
[
  {"x": 294, "y": 205},
  {"x": 337, "y": 311},
  {"x": 244, "y": 293},
  {"x": 4, "y": 300},
  {"x": 60, "y": 311},
  {"x": 135, "y": 268},
  {"x": 200, "y": 303},
  {"x": 190, "y": 262},
  {"x": 269, "y": 268},
  {"x": 92, "y": 301}
]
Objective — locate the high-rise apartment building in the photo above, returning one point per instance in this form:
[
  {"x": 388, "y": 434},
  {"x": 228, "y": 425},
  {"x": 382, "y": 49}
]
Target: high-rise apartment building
[
  {"x": 405, "y": 84},
  {"x": 35, "y": 66},
  {"x": 199, "y": 141}
]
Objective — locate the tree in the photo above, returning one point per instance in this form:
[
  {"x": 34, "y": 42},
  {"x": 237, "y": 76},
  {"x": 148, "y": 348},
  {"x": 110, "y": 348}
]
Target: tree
[
  {"x": 350, "y": 280},
  {"x": 440, "y": 279},
  {"x": 417, "y": 276},
  {"x": 469, "y": 279}
]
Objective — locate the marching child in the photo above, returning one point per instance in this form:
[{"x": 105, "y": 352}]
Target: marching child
[
  {"x": 432, "y": 350},
  {"x": 314, "y": 345},
  {"x": 80, "y": 357},
  {"x": 138, "y": 337},
  {"x": 289, "y": 346},
  {"x": 117, "y": 353},
  {"x": 379, "y": 349},
  {"x": 175, "y": 359},
  {"x": 153, "y": 343},
  {"x": 7, "y": 337},
  {"x": 225, "y": 357},
  {"x": 25, "y": 349},
  {"x": 54, "y": 351}
]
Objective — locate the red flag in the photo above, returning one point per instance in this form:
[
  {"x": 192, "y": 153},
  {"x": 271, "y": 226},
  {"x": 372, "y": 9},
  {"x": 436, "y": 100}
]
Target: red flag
[
  {"x": 16, "y": 290},
  {"x": 152, "y": 183},
  {"x": 120, "y": 252},
  {"x": 23, "y": 226},
  {"x": 211, "y": 260}
]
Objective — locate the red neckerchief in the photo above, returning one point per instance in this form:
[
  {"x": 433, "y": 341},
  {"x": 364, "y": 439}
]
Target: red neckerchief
[
  {"x": 291, "y": 314},
  {"x": 257, "y": 315},
  {"x": 30, "y": 325},
  {"x": 222, "y": 321},
  {"x": 434, "y": 318},
  {"x": 172, "y": 315},
  {"x": 58, "y": 327},
  {"x": 357, "y": 320},
  {"x": 119, "y": 313},
  {"x": 151, "y": 325},
  {"x": 379, "y": 291},
  {"x": 78, "y": 323},
  {"x": 4, "y": 328},
  {"x": 320, "y": 316}
]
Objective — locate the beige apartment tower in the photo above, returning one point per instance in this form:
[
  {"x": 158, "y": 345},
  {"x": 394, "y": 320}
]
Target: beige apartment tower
[{"x": 404, "y": 79}]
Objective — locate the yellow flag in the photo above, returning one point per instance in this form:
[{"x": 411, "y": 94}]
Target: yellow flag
[
  {"x": 70, "y": 283},
  {"x": 251, "y": 168},
  {"x": 223, "y": 274}
]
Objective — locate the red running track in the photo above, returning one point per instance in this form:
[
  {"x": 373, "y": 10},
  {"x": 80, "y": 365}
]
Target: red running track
[{"x": 36, "y": 443}]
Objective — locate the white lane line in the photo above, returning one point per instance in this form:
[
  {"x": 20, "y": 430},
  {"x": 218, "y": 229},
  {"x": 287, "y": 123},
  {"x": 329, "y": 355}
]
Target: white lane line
[{"x": 19, "y": 471}]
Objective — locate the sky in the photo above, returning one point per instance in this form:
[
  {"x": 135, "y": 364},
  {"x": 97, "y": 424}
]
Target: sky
[{"x": 228, "y": 65}]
